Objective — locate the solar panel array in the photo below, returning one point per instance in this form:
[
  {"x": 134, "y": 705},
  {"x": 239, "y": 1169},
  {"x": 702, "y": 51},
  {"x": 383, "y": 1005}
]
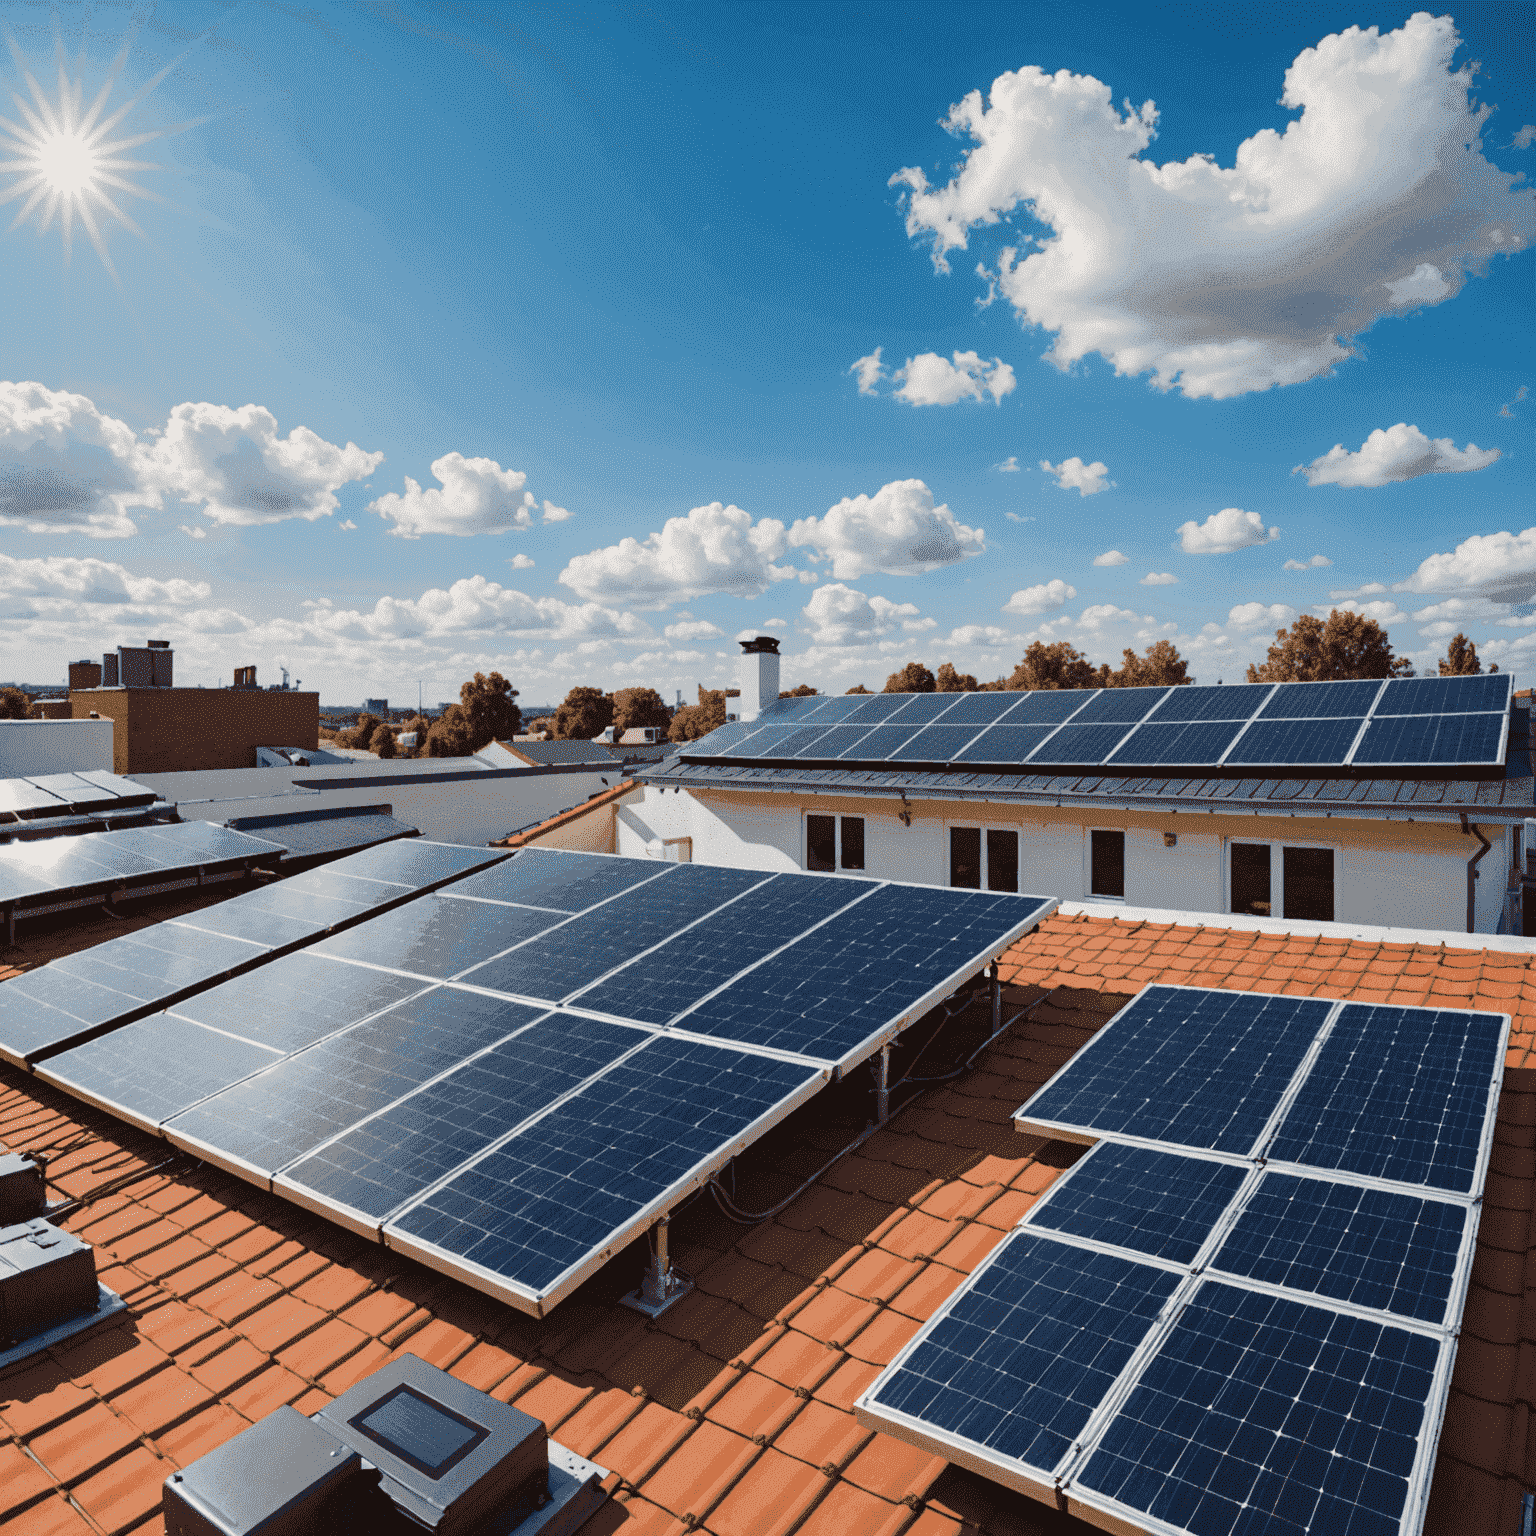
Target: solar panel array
[
  {"x": 59, "y": 794},
  {"x": 1238, "y": 1310},
  {"x": 71, "y": 999},
  {"x": 1429, "y": 722},
  {"x": 511, "y": 1077}
]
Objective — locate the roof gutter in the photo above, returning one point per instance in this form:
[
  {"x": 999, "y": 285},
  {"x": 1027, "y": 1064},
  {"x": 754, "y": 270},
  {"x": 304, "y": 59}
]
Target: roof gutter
[{"x": 1472, "y": 863}]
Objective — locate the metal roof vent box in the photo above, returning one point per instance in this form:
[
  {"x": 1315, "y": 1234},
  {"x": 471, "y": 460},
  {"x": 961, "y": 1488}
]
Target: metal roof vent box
[
  {"x": 409, "y": 1449},
  {"x": 48, "y": 1288}
]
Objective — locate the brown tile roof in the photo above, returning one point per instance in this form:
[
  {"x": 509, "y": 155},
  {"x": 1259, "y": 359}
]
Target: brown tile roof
[{"x": 731, "y": 1413}]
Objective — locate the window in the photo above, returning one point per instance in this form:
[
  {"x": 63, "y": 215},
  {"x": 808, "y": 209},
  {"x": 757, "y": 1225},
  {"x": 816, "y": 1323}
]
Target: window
[
  {"x": 984, "y": 858},
  {"x": 822, "y": 842},
  {"x": 965, "y": 857},
  {"x": 1107, "y": 864},
  {"x": 1002, "y": 860},
  {"x": 1303, "y": 889}
]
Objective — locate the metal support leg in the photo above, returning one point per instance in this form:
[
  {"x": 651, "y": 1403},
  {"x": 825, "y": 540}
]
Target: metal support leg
[
  {"x": 997, "y": 999},
  {"x": 662, "y": 1286},
  {"x": 883, "y": 1087}
]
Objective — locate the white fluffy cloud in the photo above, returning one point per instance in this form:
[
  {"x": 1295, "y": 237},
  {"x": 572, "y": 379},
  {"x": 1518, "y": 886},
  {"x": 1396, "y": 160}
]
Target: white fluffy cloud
[
  {"x": 713, "y": 549},
  {"x": 838, "y": 616},
  {"x": 62, "y": 578},
  {"x": 235, "y": 466},
  {"x": 1220, "y": 280},
  {"x": 1382, "y": 611},
  {"x": 1499, "y": 566},
  {"x": 1073, "y": 475},
  {"x": 984, "y": 636},
  {"x": 869, "y": 371},
  {"x": 898, "y": 531},
  {"x": 1395, "y": 453},
  {"x": 1315, "y": 563},
  {"x": 1044, "y": 598},
  {"x": 699, "y": 629},
  {"x": 1159, "y": 579},
  {"x": 1111, "y": 557},
  {"x": 521, "y": 562},
  {"x": 1224, "y": 532},
  {"x": 472, "y": 496},
  {"x": 1254, "y": 615},
  {"x": 929, "y": 379},
  {"x": 1009, "y": 466}
]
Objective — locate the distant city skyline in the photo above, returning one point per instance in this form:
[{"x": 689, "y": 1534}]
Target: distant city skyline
[{"x": 403, "y": 346}]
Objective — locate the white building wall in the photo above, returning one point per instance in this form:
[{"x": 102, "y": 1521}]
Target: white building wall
[
  {"x": 1386, "y": 873},
  {"x": 29, "y": 747}
]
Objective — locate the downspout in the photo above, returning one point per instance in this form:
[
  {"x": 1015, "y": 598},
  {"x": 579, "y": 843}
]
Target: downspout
[{"x": 1471, "y": 831}]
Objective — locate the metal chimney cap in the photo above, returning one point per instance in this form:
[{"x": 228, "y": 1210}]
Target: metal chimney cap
[{"x": 762, "y": 644}]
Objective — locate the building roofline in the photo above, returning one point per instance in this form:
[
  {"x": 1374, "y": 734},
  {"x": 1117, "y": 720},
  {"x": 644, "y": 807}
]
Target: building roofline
[{"x": 603, "y": 797}]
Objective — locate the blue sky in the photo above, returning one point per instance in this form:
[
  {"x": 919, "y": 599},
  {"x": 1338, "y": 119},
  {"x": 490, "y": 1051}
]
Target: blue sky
[{"x": 547, "y": 341}]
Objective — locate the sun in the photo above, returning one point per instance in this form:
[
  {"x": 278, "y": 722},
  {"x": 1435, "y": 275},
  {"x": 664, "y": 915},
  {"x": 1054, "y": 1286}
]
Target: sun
[{"x": 68, "y": 161}]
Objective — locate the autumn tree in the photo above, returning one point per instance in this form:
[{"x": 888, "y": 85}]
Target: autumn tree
[
  {"x": 857, "y": 688},
  {"x": 1160, "y": 667},
  {"x": 448, "y": 735},
  {"x": 489, "y": 713},
  {"x": 360, "y": 734},
  {"x": 14, "y": 704},
  {"x": 913, "y": 678},
  {"x": 639, "y": 709},
  {"x": 584, "y": 714},
  {"x": 1461, "y": 659},
  {"x": 1345, "y": 645},
  {"x": 1058, "y": 665},
  {"x": 695, "y": 720},
  {"x": 947, "y": 680},
  {"x": 382, "y": 743},
  {"x": 804, "y": 691}
]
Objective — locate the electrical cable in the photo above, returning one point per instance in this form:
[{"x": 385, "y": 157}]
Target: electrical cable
[{"x": 111, "y": 1187}]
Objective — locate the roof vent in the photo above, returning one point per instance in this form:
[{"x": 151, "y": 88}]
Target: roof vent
[{"x": 48, "y": 1288}]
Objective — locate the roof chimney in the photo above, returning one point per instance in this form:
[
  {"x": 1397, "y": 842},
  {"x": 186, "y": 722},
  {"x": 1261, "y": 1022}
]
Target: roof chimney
[{"x": 759, "y": 675}]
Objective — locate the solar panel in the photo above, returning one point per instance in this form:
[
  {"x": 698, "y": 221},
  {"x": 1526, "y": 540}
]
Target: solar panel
[
  {"x": 983, "y": 708},
  {"x": 1158, "y": 1203},
  {"x": 1005, "y": 744},
  {"x": 560, "y": 881},
  {"x": 1398, "y": 1093},
  {"x": 1182, "y": 1065},
  {"x": 935, "y": 744},
  {"x": 1269, "y": 743},
  {"x": 1014, "y": 1367},
  {"x": 721, "y": 740},
  {"x": 533, "y": 1217},
  {"x": 876, "y": 708},
  {"x": 23, "y": 798},
  {"x": 1261, "y": 1413},
  {"x": 376, "y": 1166},
  {"x": 878, "y": 743},
  {"x": 1446, "y": 695},
  {"x": 924, "y": 708},
  {"x": 1120, "y": 706},
  {"x": 1370, "y": 1247},
  {"x": 794, "y": 744},
  {"x": 1398, "y": 739},
  {"x": 1075, "y": 743},
  {"x": 1199, "y": 741},
  {"x": 1320, "y": 701},
  {"x": 837, "y": 992},
  {"x": 437, "y": 936},
  {"x": 263, "y": 1123},
  {"x": 836, "y": 740},
  {"x": 1219, "y": 703},
  {"x": 1044, "y": 705}
]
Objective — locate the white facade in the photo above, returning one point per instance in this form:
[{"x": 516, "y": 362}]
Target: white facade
[
  {"x": 29, "y": 747},
  {"x": 759, "y": 682},
  {"x": 1396, "y": 873}
]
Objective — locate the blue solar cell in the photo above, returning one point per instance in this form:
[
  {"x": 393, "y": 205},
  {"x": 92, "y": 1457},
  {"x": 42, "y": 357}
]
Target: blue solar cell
[
  {"x": 834, "y": 709},
  {"x": 792, "y": 745},
  {"x": 1195, "y": 703},
  {"x": 1074, "y": 743},
  {"x": 155, "y": 1068},
  {"x": 415, "y": 862},
  {"x": 721, "y": 741},
  {"x": 980, "y": 709},
  {"x": 1398, "y": 1093},
  {"x": 1372, "y": 1247},
  {"x": 1196, "y": 1068},
  {"x": 268, "y": 1121},
  {"x": 658, "y": 986},
  {"x": 1259, "y": 1414},
  {"x": 540, "y": 1205},
  {"x": 383, "y": 1162},
  {"x": 856, "y": 973},
  {"x": 1321, "y": 701},
  {"x": 1446, "y": 695},
  {"x": 276, "y": 917},
  {"x": 1280, "y": 743},
  {"x": 878, "y": 744},
  {"x": 1005, "y": 744},
  {"x": 438, "y": 936},
  {"x": 789, "y": 711},
  {"x": 1022, "y": 1356},
  {"x": 923, "y": 709},
  {"x": 760, "y": 739},
  {"x": 1039, "y": 705},
  {"x": 935, "y": 744},
  {"x": 569, "y": 957},
  {"x": 563, "y": 882},
  {"x": 1119, "y": 706},
  {"x": 876, "y": 709},
  {"x": 834, "y": 741},
  {"x": 1431, "y": 739},
  {"x": 1197, "y": 743},
  {"x": 1158, "y": 1203}
]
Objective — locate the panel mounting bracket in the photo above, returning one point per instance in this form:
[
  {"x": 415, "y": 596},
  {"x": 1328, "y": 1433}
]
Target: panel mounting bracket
[{"x": 662, "y": 1286}]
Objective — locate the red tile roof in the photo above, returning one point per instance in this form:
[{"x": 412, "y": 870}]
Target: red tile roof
[{"x": 731, "y": 1413}]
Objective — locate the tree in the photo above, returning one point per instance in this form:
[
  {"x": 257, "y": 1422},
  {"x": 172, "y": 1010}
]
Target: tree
[
  {"x": 695, "y": 720},
  {"x": 913, "y": 678},
  {"x": 1058, "y": 665},
  {"x": 858, "y": 688},
  {"x": 585, "y": 714},
  {"x": 947, "y": 680},
  {"x": 804, "y": 691},
  {"x": 361, "y": 734},
  {"x": 1346, "y": 645},
  {"x": 14, "y": 704},
  {"x": 382, "y": 742},
  {"x": 449, "y": 735},
  {"x": 489, "y": 713},
  {"x": 638, "y": 709},
  {"x": 1461, "y": 659},
  {"x": 1161, "y": 667}
]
